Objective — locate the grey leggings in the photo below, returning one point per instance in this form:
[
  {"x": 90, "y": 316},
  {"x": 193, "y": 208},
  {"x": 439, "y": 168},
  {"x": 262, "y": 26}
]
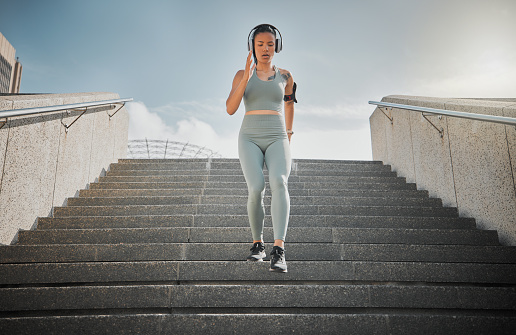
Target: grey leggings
[{"x": 263, "y": 138}]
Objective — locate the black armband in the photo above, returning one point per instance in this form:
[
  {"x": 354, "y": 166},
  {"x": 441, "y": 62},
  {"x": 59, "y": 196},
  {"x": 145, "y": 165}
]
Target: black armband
[{"x": 291, "y": 97}]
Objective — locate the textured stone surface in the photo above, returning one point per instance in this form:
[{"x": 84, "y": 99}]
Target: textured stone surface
[
  {"x": 154, "y": 170},
  {"x": 201, "y": 324},
  {"x": 242, "y": 270},
  {"x": 6, "y": 231},
  {"x": 482, "y": 170},
  {"x": 85, "y": 149},
  {"x": 84, "y": 325},
  {"x": 44, "y": 165},
  {"x": 127, "y": 261},
  {"x": 4, "y": 133},
  {"x": 103, "y": 147},
  {"x": 216, "y": 221},
  {"x": 446, "y": 324},
  {"x": 378, "y": 123},
  {"x": 509, "y": 226},
  {"x": 117, "y": 201},
  {"x": 238, "y": 296},
  {"x": 74, "y": 157},
  {"x": 121, "y": 138},
  {"x": 432, "y": 159},
  {"x": 436, "y": 272},
  {"x": 414, "y": 236},
  {"x": 398, "y": 141},
  {"x": 95, "y": 272},
  {"x": 140, "y": 193},
  {"x": 354, "y": 324},
  {"x": 429, "y": 253},
  {"x": 104, "y": 236},
  {"x": 200, "y": 165},
  {"x": 93, "y": 297},
  {"x": 28, "y": 176},
  {"x": 471, "y": 167},
  {"x": 328, "y": 200},
  {"x": 145, "y": 221},
  {"x": 235, "y": 251}
]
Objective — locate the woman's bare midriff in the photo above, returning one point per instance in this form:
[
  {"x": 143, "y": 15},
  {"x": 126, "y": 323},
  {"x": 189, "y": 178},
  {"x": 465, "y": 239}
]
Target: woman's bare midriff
[{"x": 262, "y": 112}]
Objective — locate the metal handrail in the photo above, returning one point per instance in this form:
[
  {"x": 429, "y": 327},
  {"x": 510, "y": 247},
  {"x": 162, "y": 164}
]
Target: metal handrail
[
  {"x": 38, "y": 110},
  {"x": 435, "y": 111}
]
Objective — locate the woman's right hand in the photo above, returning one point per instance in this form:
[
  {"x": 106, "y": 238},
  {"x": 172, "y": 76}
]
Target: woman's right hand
[
  {"x": 239, "y": 86},
  {"x": 248, "y": 71}
]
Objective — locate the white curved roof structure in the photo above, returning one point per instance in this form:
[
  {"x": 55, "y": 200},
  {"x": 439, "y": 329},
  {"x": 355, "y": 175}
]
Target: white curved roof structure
[{"x": 163, "y": 149}]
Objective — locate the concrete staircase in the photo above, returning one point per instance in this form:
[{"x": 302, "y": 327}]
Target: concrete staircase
[{"x": 159, "y": 247}]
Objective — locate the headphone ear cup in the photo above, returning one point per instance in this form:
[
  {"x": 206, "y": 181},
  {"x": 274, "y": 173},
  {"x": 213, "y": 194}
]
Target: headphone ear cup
[
  {"x": 278, "y": 45},
  {"x": 250, "y": 40}
]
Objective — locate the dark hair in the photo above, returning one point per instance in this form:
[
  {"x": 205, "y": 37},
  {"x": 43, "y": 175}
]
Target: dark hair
[{"x": 263, "y": 28}]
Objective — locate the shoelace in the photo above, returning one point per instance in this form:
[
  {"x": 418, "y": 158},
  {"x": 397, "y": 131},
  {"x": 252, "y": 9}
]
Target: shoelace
[
  {"x": 277, "y": 255},
  {"x": 257, "y": 247}
]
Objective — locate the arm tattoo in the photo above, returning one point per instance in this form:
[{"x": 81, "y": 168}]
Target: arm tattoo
[{"x": 286, "y": 76}]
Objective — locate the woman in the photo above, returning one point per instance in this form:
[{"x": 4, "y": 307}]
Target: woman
[{"x": 265, "y": 136}]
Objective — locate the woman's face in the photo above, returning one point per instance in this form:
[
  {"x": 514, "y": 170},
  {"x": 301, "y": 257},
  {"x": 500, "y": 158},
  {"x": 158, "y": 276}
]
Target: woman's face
[{"x": 264, "y": 47}]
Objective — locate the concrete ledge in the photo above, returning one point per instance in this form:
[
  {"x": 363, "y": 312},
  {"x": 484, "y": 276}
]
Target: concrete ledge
[
  {"x": 41, "y": 164},
  {"x": 472, "y": 167}
]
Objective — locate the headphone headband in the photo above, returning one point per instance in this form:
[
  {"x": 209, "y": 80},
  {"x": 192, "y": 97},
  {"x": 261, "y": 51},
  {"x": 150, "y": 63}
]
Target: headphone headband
[{"x": 279, "y": 41}]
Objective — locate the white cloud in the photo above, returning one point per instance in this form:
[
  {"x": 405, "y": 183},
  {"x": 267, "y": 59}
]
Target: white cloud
[
  {"x": 146, "y": 124},
  {"x": 311, "y": 140}
]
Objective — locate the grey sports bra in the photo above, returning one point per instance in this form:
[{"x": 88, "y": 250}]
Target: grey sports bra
[{"x": 264, "y": 95}]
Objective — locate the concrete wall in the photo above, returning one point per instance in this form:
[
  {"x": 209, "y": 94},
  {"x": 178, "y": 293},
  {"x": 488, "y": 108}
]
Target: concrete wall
[
  {"x": 472, "y": 167},
  {"x": 41, "y": 164}
]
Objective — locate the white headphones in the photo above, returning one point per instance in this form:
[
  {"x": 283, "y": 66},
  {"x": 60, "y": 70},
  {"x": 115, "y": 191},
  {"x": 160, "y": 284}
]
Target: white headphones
[{"x": 279, "y": 41}]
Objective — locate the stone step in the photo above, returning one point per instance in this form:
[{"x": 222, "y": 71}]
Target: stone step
[
  {"x": 216, "y": 221},
  {"x": 159, "y": 246},
  {"x": 243, "y": 185},
  {"x": 242, "y": 271},
  {"x": 238, "y": 172},
  {"x": 241, "y": 179},
  {"x": 244, "y": 192},
  {"x": 62, "y": 253},
  {"x": 172, "y": 160},
  {"x": 331, "y": 200},
  {"x": 228, "y": 209},
  {"x": 288, "y": 298},
  {"x": 223, "y": 168},
  {"x": 149, "y": 165},
  {"x": 235, "y": 164},
  {"x": 242, "y": 200},
  {"x": 362, "y": 323},
  {"x": 243, "y": 234},
  {"x": 236, "y": 160}
]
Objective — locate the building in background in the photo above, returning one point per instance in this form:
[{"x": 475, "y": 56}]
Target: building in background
[{"x": 10, "y": 68}]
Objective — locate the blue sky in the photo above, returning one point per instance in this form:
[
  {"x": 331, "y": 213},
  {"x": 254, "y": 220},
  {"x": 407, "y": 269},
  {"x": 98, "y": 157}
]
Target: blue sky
[{"x": 177, "y": 60}]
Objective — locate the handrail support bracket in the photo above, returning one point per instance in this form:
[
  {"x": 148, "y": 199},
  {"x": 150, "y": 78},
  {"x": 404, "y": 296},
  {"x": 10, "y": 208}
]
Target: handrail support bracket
[
  {"x": 389, "y": 117},
  {"x": 3, "y": 122},
  {"x": 113, "y": 106},
  {"x": 441, "y": 131},
  {"x": 77, "y": 118}
]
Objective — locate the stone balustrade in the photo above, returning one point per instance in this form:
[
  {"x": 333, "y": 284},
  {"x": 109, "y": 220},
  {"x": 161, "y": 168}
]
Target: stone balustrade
[
  {"x": 41, "y": 164},
  {"x": 471, "y": 167}
]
